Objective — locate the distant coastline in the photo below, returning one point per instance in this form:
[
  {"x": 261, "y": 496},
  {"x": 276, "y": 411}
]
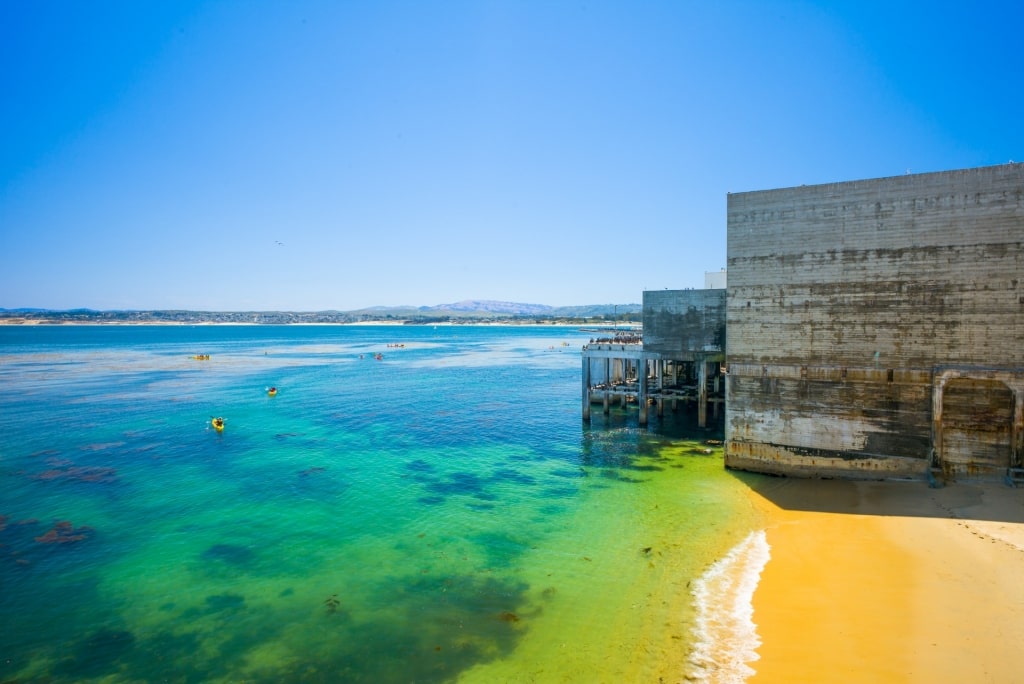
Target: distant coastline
[
  {"x": 13, "y": 322},
  {"x": 462, "y": 313}
]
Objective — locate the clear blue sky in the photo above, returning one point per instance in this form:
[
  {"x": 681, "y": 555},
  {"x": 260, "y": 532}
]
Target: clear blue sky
[{"x": 156, "y": 155}]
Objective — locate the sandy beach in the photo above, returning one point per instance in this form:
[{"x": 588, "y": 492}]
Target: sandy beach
[{"x": 890, "y": 582}]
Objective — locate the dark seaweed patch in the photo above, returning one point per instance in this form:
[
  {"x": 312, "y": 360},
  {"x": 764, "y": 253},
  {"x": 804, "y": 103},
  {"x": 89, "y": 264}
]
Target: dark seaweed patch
[
  {"x": 214, "y": 604},
  {"x": 98, "y": 654},
  {"x": 510, "y": 475},
  {"x": 458, "y": 483},
  {"x": 218, "y": 603},
  {"x": 436, "y": 627},
  {"x": 167, "y": 656},
  {"x": 420, "y": 466},
  {"x": 559, "y": 492},
  {"x": 643, "y": 468},
  {"x": 572, "y": 474},
  {"x": 501, "y": 550},
  {"x": 431, "y": 500},
  {"x": 232, "y": 554},
  {"x": 618, "y": 477}
]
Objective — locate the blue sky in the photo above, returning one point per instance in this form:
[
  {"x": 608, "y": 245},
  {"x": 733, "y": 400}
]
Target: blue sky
[{"x": 306, "y": 155}]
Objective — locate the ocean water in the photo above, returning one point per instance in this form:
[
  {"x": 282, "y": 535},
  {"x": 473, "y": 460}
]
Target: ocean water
[{"x": 440, "y": 514}]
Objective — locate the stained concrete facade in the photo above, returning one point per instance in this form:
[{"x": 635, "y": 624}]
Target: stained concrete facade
[{"x": 876, "y": 327}]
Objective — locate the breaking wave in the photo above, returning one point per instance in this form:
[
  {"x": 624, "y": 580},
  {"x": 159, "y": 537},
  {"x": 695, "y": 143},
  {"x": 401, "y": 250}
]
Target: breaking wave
[{"x": 725, "y": 634}]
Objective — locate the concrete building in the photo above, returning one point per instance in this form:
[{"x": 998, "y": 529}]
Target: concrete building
[
  {"x": 876, "y": 327},
  {"x": 715, "y": 280}
]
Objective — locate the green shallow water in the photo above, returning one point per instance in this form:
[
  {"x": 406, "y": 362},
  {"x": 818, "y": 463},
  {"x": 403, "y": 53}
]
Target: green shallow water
[{"x": 440, "y": 515}]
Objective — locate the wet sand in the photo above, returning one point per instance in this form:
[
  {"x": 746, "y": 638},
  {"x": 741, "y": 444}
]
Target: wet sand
[{"x": 890, "y": 582}]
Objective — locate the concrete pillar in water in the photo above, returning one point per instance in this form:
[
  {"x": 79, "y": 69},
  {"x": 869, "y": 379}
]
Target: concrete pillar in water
[
  {"x": 659, "y": 372},
  {"x": 586, "y": 388},
  {"x": 702, "y": 393},
  {"x": 641, "y": 372},
  {"x": 624, "y": 364}
]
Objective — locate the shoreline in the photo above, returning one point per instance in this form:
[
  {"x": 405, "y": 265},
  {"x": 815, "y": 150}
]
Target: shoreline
[
  {"x": 399, "y": 324},
  {"x": 888, "y": 582}
]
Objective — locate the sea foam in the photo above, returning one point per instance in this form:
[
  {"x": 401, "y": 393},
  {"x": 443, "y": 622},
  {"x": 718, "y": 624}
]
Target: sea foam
[{"x": 725, "y": 634}]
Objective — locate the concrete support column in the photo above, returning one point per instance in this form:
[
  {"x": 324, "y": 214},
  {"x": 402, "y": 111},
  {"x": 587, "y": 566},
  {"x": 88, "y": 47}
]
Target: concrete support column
[
  {"x": 641, "y": 372},
  {"x": 659, "y": 372},
  {"x": 726, "y": 380},
  {"x": 702, "y": 392},
  {"x": 586, "y": 388},
  {"x": 715, "y": 402},
  {"x": 625, "y": 379}
]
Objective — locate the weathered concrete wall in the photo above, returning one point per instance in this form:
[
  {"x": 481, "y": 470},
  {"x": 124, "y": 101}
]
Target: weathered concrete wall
[
  {"x": 842, "y": 301},
  {"x": 677, "y": 321}
]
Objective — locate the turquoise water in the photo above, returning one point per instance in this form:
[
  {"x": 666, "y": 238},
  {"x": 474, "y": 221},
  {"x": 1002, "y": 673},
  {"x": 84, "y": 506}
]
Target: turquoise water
[{"x": 439, "y": 514}]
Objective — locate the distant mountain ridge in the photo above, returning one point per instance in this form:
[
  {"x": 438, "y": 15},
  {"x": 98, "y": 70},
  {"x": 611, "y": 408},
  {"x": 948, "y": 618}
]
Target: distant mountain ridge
[
  {"x": 491, "y": 306},
  {"x": 499, "y": 308}
]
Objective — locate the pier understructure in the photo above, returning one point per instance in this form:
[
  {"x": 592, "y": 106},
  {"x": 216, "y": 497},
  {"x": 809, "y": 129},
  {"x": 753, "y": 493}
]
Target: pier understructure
[{"x": 619, "y": 371}]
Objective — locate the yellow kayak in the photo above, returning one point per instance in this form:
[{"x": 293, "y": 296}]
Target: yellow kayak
[{"x": 218, "y": 424}]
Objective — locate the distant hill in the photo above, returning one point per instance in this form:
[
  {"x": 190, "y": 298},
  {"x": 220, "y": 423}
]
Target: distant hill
[
  {"x": 494, "y": 307},
  {"x": 474, "y": 308}
]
